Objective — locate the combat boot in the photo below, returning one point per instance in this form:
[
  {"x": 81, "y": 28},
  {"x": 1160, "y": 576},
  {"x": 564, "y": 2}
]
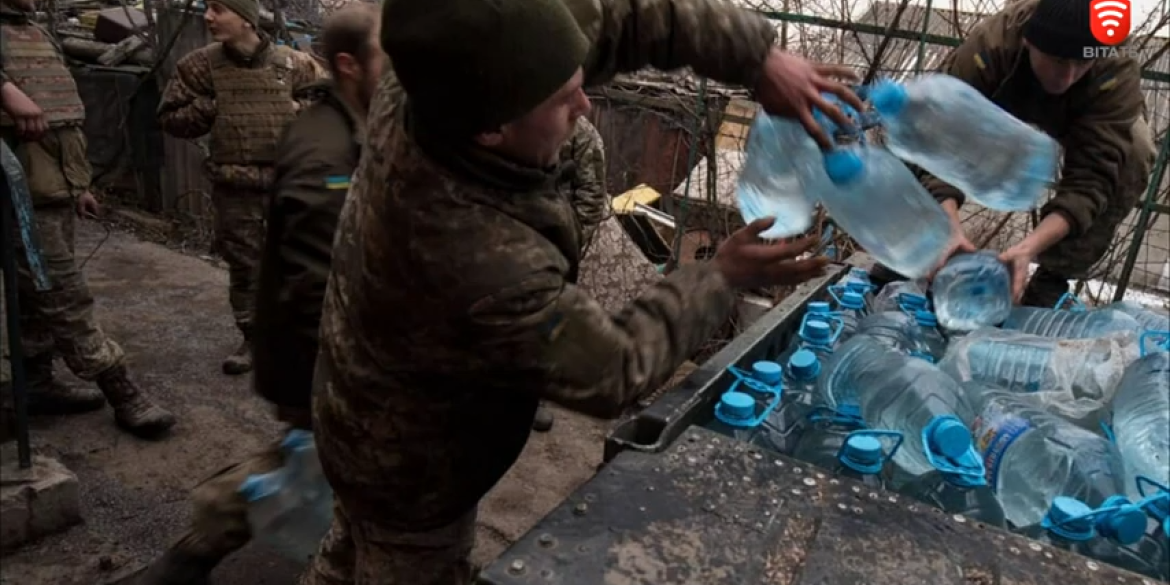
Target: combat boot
[
  {"x": 543, "y": 422},
  {"x": 48, "y": 396},
  {"x": 239, "y": 362},
  {"x": 176, "y": 567},
  {"x": 133, "y": 411}
]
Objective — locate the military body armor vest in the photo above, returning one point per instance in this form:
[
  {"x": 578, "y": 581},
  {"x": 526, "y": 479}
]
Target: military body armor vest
[
  {"x": 253, "y": 105},
  {"x": 32, "y": 62}
]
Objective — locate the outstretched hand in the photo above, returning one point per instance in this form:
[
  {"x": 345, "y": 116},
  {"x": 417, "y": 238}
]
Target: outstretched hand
[
  {"x": 791, "y": 86},
  {"x": 747, "y": 261}
]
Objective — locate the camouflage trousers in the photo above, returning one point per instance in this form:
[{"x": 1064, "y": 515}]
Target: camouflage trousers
[
  {"x": 239, "y": 238},
  {"x": 60, "y": 321},
  {"x": 359, "y": 551}
]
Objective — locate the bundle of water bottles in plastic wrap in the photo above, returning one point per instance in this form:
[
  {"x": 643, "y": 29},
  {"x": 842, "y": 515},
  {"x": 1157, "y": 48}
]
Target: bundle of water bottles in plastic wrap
[{"x": 1054, "y": 423}]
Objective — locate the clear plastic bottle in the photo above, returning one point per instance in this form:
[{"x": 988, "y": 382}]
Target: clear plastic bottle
[
  {"x": 1070, "y": 324},
  {"x": 853, "y": 364},
  {"x": 900, "y": 295},
  {"x": 1141, "y": 420},
  {"x": 788, "y": 421},
  {"x": 291, "y": 508},
  {"x": 745, "y": 410},
  {"x": 880, "y": 203},
  {"x": 891, "y": 328},
  {"x": 953, "y": 494},
  {"x": 948, "y": 128},
  {"x": 820, "y": 333},
  {"x": 929, "y": 343},
  {"x": 857, "y": 280},
  {"x": 863, "y": 456},
  {"x": 1032, "y": 456},
  {"x": 1150, "y": 318},
  {"x": 850, "y": 308},
  {"x": 1070, "y": 524},
  {"x": 972, "y": 291},
  {"x": 929, "y": 408},
  {"x": 815, "y": 309},
  {"x": 780, "y": 176}
]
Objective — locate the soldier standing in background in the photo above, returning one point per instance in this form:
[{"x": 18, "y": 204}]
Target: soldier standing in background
[
  {"x": 314, "y": 160},
  {"x": 41, "y": 120},
  {"x": 240, "y": 90},
  {"x": 451, "y": 309},
  {"x": 583, "y": 181}
]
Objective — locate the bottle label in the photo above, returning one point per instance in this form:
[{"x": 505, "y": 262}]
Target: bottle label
[{"x": 995, "y": 431}]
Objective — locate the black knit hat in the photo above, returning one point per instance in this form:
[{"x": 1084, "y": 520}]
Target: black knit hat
[
  {"x": 471, "y": 66},
  {"x": 1061, "y": 28}
]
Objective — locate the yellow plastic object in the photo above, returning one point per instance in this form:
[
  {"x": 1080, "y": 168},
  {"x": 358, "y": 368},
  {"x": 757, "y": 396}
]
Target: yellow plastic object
[{"x": 624, "y": 204}]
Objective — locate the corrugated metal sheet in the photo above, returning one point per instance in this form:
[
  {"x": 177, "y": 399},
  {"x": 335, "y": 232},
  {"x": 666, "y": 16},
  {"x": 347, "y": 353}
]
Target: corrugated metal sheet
[{"x": 185, "y": 187}]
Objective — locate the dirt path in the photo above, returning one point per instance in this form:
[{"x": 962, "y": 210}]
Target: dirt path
[{"x": 170, "y": 312}]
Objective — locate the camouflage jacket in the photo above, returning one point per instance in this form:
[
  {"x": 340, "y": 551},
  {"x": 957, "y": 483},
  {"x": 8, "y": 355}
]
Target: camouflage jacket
[
  {"x": 583, "y": 179},
  {"x": 191, "y": 106},
  {"x": 451, "y": 309},
  {"x": 1093, "y": 120},
  {"x": 316, "y": 156}
]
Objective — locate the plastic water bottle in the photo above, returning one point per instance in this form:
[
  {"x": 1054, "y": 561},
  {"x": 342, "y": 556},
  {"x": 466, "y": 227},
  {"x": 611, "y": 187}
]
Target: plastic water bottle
[
  {"x": 928, "y": 341},
  {"x": 899, "y": 294},
  {"x": 1032, "y": 456},
  {"x": 825, "y": 435},
  {"x": 948, "y": 128},
  {"x": 891, "y": 328},
  {"x": 1138, "y": 546},
  {"x": 291, "y": 508},
  {"x": 1074, "y": 378},
  {"x": 1141, "y": 420},
  {"x": 1150, "y": 319},
  {"x": 820, "y": 333},
  {"x": 801, "y": 376},
  {"x": 817, "y": 308},
  {"x": 929, "y": 408},
  {"x": 972, "y": 291},
  {"x": 781, "y": 175},
  {"x": 786, "y": 423},
  {"x": 743, "y": 411},
  {"x": 1070, "y": 524},
  {"x": 953, "y": 494},
  {"x": 1070, "y": 324},
  {"x": 880, "y": 203},
  {"x": 850, "y": 309},
  {"x": 857, "y": 280},
  {"x": 853, "y": 364},
  {"x": 863, "y": 456}
]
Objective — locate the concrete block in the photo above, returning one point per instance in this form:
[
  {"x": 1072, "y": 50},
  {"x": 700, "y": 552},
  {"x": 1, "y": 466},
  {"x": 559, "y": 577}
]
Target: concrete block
[{"x": 35, "y": 502}]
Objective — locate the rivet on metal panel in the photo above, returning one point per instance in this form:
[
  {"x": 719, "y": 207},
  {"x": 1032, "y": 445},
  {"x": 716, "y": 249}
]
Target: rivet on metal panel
[
  {"x": 546, "y": 540},
  {"x": 758, "y": 526},
  {"x": 767, "y": 513},
  {"x": 582, "y": 548},
  {"x": 820, "y": 476},
  {"x": 580, "y": 509},
  {"x": 856, "y": 489},
  {"x": 893, "y": 499},
  {"x": 731, "y": 483},
  {"x": 709, "y": 507},
  {"x": 1047, "y": 555},
  {"x": 857, "y": 510},
  {"x": 547, "y": 574},
  {"x": 722, "y": 496},
  {"x": 757, "y": 456},
  {"x": 912, "y": 508},
  {"x": 590, "y": 498},
  {"x": 1035, "y": 547},
  {"x": 961, "y": 519},
  {"x": 641, "y": 508},
  {"x": 834, "y": 482},
  {"x": 1092, "y": 566},
  {"x": 672, "y": 457},
  {"x": 657, "y": 470},
  {"x": 1014, "y": 550},
  {"x": 779, "y": 463},
  {"x": 810, "y": 481},
  {"x": 797, "y": 470},
  {"x": 682, "y": 448},
  {"x": 691, "y": 438},
  {"x": 746, "y": 479},
  {"x": 873, "y": 495},
  {"x": 691, "y": 460},
  {"x": 796, "y": 491},
  {"x": 517, "y": 567},
  {"x": 842, "y": 507},
  {"x": 1147, "y": 582}
]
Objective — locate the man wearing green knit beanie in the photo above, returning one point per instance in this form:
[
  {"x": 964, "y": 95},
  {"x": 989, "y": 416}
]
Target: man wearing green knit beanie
[{"x": 453, "y": 309}]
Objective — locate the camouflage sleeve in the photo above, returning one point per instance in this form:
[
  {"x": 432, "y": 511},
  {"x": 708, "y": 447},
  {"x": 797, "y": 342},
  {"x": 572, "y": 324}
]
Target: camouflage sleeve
[
  {"x": 587, "y": 186},
  {"x": 306, "y": 72},
  {"x": 187, "y": 108},
  {"x": 75, "y": 160},
  {"x": 544, "y": 333},
  {"x": 984, "y": 67},
  {"x": 717, "y": 39},
  {"x": 1096, "y": 146}
]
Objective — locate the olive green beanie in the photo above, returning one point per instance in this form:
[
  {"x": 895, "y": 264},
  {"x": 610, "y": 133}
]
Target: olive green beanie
[
  {"x": 470, "y": 66},
  {"x": 249, "y": 10}
]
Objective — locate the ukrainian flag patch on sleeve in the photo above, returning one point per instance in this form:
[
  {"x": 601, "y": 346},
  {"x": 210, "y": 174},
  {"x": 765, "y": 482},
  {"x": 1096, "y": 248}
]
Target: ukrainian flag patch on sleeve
[{"x": 337, "y": 182}]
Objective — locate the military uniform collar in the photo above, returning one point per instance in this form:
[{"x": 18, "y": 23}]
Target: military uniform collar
[{"x": 248, "y": 60}]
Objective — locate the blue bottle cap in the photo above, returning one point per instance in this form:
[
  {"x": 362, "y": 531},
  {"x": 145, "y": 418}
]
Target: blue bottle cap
[
  {"x": 816, "y": 330},
  {"x": 852, "y": 300},
  {"x": 863, "y": 454},
  {"x": 1166, "y": 527},
  {"x": 859, "y": 272},
  {"x": 888, "y": 97},
  {"x": 738, "y": 405},
  {"x": 1126, "y": 525},
  {"x": 1060, "y": 515},
  {"x": 818, "y": 308},
  {"x": 914, "y": 301},
  {"x": 843, "y": 166},
  {"x": 767, "y": 372},
  {"x": 925, "y": 318},
  {"x": 804, "y": 365},
  {"x": 950, "y": 438}
]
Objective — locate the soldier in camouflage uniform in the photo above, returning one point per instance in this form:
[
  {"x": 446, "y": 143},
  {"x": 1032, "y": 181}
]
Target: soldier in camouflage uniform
[
  {"x": 451, "y": 309},
  {"x": 41, "y": 120},
  {"x": 315, "y": 158},
  {"x": 1029, "y": 60},
  {"x": 583, "y": 181},
  {"x": 239, "y": 90}
]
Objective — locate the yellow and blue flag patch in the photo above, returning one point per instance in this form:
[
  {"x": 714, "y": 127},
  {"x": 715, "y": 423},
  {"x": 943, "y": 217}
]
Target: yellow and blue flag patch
[{"x": 337, "y": 182}]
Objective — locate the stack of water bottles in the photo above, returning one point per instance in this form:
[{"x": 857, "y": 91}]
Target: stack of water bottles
[
  {"x": 1054, "y": 423},
  {"x": 936, "y": 122}
]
